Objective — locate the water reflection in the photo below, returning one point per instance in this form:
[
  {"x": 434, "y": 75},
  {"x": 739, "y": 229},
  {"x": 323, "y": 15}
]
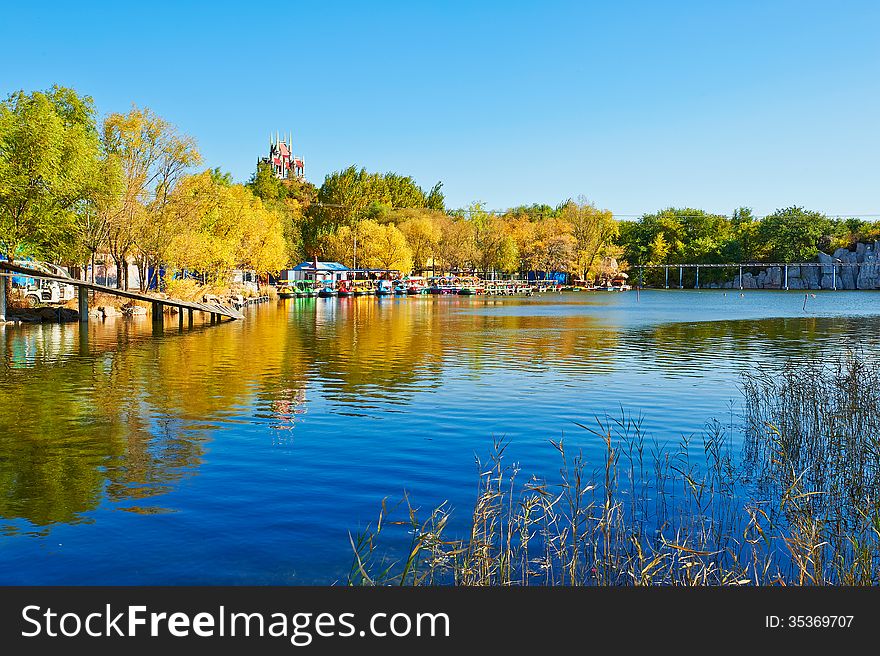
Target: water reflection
[{"x": 120, "y": 415}]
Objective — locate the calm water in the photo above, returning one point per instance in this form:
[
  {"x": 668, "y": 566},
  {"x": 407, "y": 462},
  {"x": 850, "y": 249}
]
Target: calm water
[{"x": 246, "y": 452}]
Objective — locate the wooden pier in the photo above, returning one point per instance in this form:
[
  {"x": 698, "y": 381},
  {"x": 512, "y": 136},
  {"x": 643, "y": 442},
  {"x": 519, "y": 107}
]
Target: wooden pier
[{"x": 216, "y": 311}]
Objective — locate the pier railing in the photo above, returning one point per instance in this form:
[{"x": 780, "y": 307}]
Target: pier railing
[
  {"x": 746, "y": 265},
  {"x": 217, "y": 311}
]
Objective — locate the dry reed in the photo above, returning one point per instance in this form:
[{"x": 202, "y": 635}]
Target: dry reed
[{"x": 799, "y": 506}]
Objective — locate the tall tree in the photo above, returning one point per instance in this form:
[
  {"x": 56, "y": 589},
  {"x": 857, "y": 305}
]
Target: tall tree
[
  {"x": 49, "y": 163},
  {"x": 457, "y": 246},
  {"x": 153, "y": 157},
  {"x": 93, "y": 215},
  {"x": 353, "y": 194},
  {"x": 792, "y": 234},
  {"x": 422, "y": 231},
  {"x": 592, "y": 230}
]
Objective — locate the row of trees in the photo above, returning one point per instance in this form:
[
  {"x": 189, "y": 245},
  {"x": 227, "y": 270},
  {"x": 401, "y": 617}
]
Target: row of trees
[
  {"x": 71, "y": 188},
  {"x": 386, "y": 221},
  {"x": 574, "y": 237},
  {"x": 692, "y": 236},
  {"x": 688, "y": 235}
]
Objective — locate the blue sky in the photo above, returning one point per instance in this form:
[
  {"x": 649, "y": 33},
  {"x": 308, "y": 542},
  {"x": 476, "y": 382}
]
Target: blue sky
[{"x": 635, "y": 105}]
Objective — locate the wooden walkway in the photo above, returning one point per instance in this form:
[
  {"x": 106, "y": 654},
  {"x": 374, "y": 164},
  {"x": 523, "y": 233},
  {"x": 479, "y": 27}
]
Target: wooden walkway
[{"x": 217, "y": 311}]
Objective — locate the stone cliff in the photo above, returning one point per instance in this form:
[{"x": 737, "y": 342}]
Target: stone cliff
[{"x": 845, "y": 269}]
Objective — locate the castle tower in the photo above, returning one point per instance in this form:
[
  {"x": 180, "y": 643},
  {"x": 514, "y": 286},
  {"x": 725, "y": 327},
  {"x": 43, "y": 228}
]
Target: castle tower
[{"x": 281, "y": 159}]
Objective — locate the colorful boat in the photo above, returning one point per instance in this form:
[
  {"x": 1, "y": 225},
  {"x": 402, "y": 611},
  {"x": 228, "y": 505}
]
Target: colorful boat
[
  {"x": 326, "y": 289},
  {"x": 304, "y": 289},
  {"x": 399, "y": 288},
  {"x": 285, "y": 290},
  {"x": 363, "y": 288},
  {"x": 416, "y": 285},
  {"x": 466, "y": 286},
  {"x": 345, "y": 288},
  {"x": 383, "y": 288},
  {"x": 442, "y": 286}
]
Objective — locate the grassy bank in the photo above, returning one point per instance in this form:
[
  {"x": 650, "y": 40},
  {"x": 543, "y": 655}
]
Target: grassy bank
[{"x": 797, "y": 504}]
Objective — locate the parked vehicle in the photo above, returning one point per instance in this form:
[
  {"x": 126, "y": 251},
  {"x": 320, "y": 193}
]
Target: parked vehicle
[{"x": 37, "y": 290}]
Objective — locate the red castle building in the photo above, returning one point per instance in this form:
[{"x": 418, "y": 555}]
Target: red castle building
[{"x": 282, "y": 160}]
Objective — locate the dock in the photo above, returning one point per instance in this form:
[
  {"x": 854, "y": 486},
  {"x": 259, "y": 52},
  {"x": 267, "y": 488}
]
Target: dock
[{"x": 217, "y": 311}]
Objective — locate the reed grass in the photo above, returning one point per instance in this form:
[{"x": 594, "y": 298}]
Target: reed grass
[{"x": 797, "y": 504}]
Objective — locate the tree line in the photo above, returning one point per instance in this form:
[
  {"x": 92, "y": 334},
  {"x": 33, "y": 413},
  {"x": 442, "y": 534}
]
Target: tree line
[
  {"x": 693, "y": 236},
  {"x": 127, "y": 187},
  {"x": 72, "y": 187}
]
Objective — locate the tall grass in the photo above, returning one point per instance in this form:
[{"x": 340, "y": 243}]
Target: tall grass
[{"x": 798, "y": 505}]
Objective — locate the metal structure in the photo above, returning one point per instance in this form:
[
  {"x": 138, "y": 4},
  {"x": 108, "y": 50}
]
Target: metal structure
[
  {"x": 745, "y": 265},
  {"x": 217, "y": 311}
]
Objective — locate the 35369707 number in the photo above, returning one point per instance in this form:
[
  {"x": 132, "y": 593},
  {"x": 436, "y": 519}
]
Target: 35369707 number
[{"x": 809, "y": 621}]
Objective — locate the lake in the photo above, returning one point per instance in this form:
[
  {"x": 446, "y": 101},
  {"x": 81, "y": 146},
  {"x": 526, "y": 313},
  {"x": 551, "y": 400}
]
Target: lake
[{"x": 245, "y": 453}]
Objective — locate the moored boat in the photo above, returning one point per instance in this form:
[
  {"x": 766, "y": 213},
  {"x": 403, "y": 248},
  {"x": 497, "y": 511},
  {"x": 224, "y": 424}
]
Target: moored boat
[
  {"x": 345, "y": 288},
  {"x": 442, "y": 286},
  {"x": 415, "y": 285},
  {"x": 304, "y": 289},
  {"x": 285, "y": 290},
  {"x": 362, "y": 288},
  {"x": 466, "y": 286},
  {"x": 383, "y": 288}
]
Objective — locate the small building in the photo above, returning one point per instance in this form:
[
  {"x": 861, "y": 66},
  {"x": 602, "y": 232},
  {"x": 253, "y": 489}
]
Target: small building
[
  {"x": 281, "y": 159},
  {"x": 315, "y": 270}
]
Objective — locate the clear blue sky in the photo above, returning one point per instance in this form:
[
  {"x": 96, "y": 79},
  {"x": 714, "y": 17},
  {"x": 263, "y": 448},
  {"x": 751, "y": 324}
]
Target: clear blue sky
[{"x": 636, "y": 105}]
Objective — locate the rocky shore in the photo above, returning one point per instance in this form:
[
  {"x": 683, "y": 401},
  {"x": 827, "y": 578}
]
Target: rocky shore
[
  {"x": 844, "y": 269},
  {"x": 41, "y": 315},
  {"x": 61, "y": 314}
]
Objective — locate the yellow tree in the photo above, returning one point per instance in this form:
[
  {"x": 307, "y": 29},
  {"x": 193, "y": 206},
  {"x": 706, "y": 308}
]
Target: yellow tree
[
  {"x": 523, "y": 232},
  {"x": 263, "y": 247},
  {"x": 392, "y": 250},
  {"x": 422, "y": 231},
  {"x": 152, "y": 157},
  {"x": 457, "y": 247},
  {"x": 381, "y": 246},
  {"x": 555, "y": 248},
  {"x": 339, "y": 246},
  {"x": 592, "y": 230}
]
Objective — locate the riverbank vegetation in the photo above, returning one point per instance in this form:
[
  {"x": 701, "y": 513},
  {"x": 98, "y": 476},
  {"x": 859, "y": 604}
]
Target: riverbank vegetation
[
  {"x": 128, "y": 188},
  {"x": 798, "y": 506},
  {"x": 693, "y": 236}
]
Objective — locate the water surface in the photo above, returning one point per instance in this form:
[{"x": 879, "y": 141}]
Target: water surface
[{"x": 244, "y": 453}]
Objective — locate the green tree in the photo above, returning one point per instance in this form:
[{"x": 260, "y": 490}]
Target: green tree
[
  {"x": 49, "y": 164},
  {"x": 265, "y": 185},
  {"x": 93, "y": 215},
  {"x": 352, "y": 195},
  {"x": 792, "y": 234}
]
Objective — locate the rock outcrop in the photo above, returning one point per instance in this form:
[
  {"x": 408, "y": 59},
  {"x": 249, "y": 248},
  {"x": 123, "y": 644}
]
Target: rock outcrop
[{"x": 845, "y": 269}]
